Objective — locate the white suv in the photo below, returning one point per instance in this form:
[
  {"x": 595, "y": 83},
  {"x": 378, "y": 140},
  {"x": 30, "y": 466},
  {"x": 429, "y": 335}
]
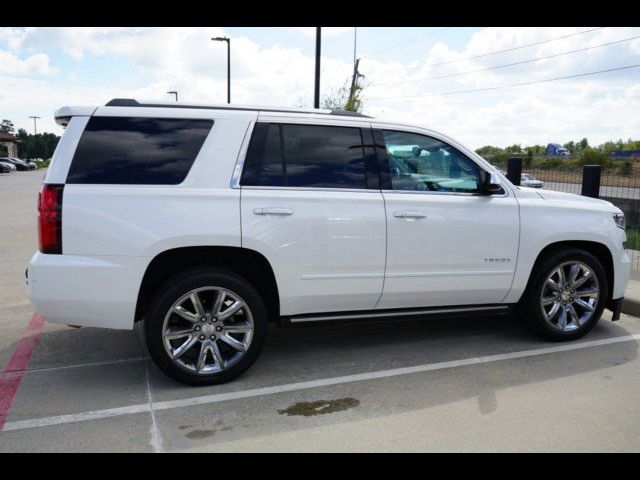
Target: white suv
[{"x": 209, "y": 221}]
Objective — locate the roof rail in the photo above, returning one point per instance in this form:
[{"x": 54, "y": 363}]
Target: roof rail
[{"x": 130, "y": 102}]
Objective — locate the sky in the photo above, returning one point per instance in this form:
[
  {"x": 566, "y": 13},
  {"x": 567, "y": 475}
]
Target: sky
[{"x": 442, "y": 78}]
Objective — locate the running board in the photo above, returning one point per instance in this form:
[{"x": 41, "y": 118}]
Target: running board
[{"x": 382, "y": 314}]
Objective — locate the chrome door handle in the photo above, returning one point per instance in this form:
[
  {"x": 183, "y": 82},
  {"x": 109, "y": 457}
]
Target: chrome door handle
[
  {"x": 273, "y": 211},
  {"x": 409, "y": 215}
]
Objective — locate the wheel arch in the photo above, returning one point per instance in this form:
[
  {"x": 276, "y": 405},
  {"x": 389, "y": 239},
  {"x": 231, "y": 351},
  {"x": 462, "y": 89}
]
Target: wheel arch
[
  {"x": 597, "y": 249},
  {"x": 245, "y": 262}
]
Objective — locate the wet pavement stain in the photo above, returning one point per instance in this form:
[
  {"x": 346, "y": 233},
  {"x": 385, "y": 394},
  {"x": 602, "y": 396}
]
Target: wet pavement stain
[
  {"x": 320, "y": 407},
  {"x": 200, "y": 434}
]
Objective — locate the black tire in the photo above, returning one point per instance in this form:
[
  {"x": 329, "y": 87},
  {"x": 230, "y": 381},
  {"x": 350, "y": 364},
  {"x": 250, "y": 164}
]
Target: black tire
[
  {"x": 529, "y": 309},
  {"x": 177, "y": 286}
]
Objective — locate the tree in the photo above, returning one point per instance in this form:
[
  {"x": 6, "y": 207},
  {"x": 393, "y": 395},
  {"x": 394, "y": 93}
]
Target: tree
[
  {"x": 584, "y": 143},
  {"x": 571, "y": 146},
  {"x": 41, "y": 145},
  {"x": 6, "y": 126},
  {"x": 343, "y": 98}
]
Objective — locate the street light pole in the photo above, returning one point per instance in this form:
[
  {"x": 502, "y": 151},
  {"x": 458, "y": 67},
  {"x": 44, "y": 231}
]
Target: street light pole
[
  {"x": 228, "y": 40},
  {"x": 173, "y": 92},
  {"x": 35, "y": 129},
  {"x": 316, "y": 91}
]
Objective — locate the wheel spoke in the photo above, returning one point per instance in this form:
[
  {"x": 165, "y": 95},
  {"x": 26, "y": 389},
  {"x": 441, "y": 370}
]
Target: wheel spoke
[
  {"x": 562, "y": 320},
  {"x": 218, "y": 303},
  {"x": 238, "y": 328},
  {"x": 186, "y": 314},
  {"x": 562, "y": 281},
  {"x": 549, "y": 300},
  {"x": 573, "y": 315},
  {"x": 586, "y": 305},
  {"x": 231, "y": 310},
  {"x": 175, "y": 333},
  {"x": 589, "y": 292},
  {"x": 553, "y": 285},
  {"x": 553, "y": 312},
  {"x": 217, "y": 356},
  {"x": 202, "y": 356},
  {"x": 190, "y": 342},
  {"x": 573, "y": 273},
  {"x": 195, "y": 299},
  {"x": 232, "y": 342},
  {"x": 579, "y": 282}
]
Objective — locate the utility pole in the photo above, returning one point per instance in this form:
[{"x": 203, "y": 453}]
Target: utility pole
[
  {"x": 355, "y": 42},
  {"x": 354, "y": 81},
  {"x": 316, "y": 92},
  {"x": 35, "y": 129}
]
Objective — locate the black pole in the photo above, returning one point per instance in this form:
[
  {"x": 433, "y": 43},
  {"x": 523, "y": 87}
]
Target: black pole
[
  {"x": 591, "y": 180},
  {"x": 316, "y": 93},
  {"x": 514, "y": 169},
  {"x": 228, "y": 70}
]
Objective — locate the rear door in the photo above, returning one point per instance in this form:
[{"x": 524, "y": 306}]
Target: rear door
[{"x": 310, "y": 204}]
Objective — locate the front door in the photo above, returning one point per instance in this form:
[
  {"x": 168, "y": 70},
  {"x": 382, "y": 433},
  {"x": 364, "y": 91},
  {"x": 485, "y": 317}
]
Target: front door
[{"x": 447, "y": 244}]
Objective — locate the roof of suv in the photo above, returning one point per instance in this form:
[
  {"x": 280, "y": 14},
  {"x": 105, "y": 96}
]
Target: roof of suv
[
  {"x": 130, "y": 102},
  {"x": 62, "y": 115}
]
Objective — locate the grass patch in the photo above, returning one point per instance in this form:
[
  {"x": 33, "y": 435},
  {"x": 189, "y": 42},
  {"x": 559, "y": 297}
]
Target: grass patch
[{"x": 633, "y": 239}]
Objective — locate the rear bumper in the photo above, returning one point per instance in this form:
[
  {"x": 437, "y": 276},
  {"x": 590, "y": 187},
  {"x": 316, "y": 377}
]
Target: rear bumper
[{"x": 86, "y": 291}]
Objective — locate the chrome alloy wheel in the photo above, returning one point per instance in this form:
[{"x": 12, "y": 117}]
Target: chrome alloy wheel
[
  {"x": 570, "y": 296},
  {"x": 207, "y": 330}
]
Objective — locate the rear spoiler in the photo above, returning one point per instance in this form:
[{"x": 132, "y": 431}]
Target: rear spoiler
[{"x": 63, "y": 115}]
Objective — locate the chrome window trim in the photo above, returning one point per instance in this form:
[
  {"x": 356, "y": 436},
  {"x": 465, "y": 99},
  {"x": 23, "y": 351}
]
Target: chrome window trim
[{"x": 242, "y": 155}]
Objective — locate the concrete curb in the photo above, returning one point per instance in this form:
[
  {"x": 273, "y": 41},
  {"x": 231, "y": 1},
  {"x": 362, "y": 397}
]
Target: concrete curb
[
  {"x": 631, "y": 303},
  {"x": 631, "y": 306}
]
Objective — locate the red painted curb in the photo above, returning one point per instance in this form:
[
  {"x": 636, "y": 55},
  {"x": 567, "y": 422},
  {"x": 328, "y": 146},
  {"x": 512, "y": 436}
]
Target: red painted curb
[{"x": 14, "y": 371}]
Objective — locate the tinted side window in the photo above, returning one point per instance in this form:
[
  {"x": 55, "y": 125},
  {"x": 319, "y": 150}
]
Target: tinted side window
[
  {"x": 323, "y": 156},
  {"x": 140, "y": 151},
  {"x": 263, "y": 165},
  {"x": 418, "y": 162}
]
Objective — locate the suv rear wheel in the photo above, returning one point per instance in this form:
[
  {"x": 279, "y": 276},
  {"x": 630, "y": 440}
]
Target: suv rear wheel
[
  {"x": 206, "y": 327},
  {"x": 565, "y": 296}
]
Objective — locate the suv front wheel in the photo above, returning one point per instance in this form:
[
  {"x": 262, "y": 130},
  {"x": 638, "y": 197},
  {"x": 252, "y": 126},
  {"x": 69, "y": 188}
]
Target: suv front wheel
[
  {"x": 565, "y": 296},
  {"x": 206, "y": 327}
]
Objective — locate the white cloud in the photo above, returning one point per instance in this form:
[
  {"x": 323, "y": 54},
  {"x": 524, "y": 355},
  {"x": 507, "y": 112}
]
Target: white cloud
[
  {"x": 37, "y": 64},
  {"x": 184, "y": 59}
]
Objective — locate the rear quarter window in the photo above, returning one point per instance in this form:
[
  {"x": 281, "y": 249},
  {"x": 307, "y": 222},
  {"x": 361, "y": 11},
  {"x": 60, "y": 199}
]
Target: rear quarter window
[{"x": 137, "y": 151}]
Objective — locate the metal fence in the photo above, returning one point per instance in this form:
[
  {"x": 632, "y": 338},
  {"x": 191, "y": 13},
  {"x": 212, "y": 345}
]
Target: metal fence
[{"x": 619, "y": 185}]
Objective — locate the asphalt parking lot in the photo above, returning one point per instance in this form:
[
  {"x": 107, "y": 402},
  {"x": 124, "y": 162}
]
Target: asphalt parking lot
[{"x": 469, "y": 384}]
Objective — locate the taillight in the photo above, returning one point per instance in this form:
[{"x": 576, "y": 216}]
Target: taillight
[{"x": 50, "y": 218}]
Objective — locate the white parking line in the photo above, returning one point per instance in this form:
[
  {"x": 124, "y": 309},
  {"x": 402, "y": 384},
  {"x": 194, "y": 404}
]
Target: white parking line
[{"x": 258, "y": 392}]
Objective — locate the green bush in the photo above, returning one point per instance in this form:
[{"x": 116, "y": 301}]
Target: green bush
[
  {"x": 626, "y": 168},
  {"x": 594, "y": 157},
  {"x": 551, "y": 162},
  {"x": 633, "y": 239},
  {"x": 44, "y": 164}
]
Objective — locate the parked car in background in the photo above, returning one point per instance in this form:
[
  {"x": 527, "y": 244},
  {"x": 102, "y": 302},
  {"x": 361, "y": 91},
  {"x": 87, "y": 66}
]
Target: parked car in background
[
  {"x": 528, "y": 180},
  {"x": 19, "y": 164},
  {"x": 12, "y": 167},
  {"x": 5, "y": 168},
  {"x": 215, "y": 220},
  {"x": 557, "y": 150}
]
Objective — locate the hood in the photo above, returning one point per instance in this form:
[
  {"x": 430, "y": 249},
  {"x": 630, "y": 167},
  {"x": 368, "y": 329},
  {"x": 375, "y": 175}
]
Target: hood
[{"x": 569, "y": 199}]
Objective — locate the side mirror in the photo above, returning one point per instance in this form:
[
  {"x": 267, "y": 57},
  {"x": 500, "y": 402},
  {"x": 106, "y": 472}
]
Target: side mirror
[{"x": 491, "y": 183}]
